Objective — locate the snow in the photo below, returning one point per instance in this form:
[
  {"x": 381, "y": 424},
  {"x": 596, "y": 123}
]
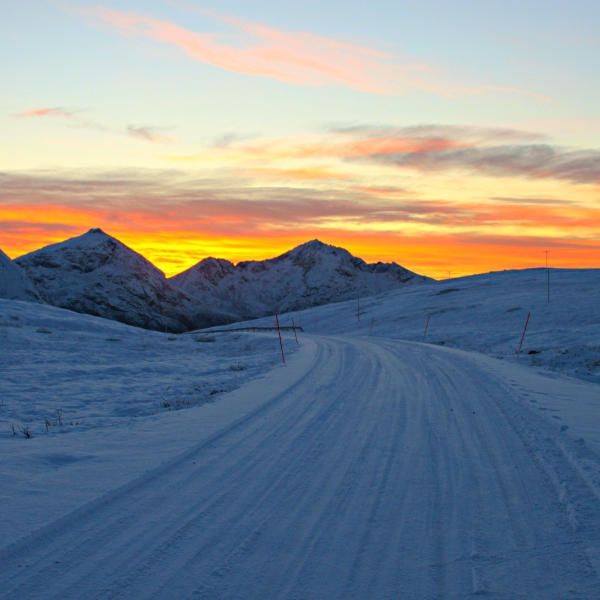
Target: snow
[
  {"x": 97, "y": 274},
  {"x": 366, "y": 467},
  {"x": 486, "y": 314},
  {"x": 14, "y": 282},
  {"x": 116, "y": 389},
  {"x": 309, "y": 275}
]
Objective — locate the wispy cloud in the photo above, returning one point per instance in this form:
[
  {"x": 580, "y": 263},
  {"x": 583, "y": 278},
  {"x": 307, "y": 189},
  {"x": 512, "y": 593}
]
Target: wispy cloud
[
  {"x": 150, "y": 134},
  {"x": 296, "y": 57},
  {"x": 176, "y": 221},
  {"x": 169, "y": 198},
  {"x": 492, "y": 152},
  {"x": 534, "y": 161},
  {"x": 46, "y": 112},
  {"x": 78, "y": 120}
]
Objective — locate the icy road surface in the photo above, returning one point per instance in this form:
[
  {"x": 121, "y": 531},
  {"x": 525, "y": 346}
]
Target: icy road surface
[{"x": 384, "y": 469}]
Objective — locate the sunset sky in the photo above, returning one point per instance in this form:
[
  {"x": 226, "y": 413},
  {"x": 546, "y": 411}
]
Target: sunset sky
[{"x": 451, "y": 136}]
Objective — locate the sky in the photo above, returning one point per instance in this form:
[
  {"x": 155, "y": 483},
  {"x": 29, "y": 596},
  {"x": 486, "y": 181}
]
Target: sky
[{"x": 450, "y": 136}]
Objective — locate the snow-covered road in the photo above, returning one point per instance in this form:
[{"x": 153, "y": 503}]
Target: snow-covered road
[{"x": 386, "y": 470}]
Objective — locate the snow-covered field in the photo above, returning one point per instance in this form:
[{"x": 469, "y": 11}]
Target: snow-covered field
[
  {"x": 366, "y": 467},
  {"x": 96, "y": 397},
  {"x": 484, "y": 313}
]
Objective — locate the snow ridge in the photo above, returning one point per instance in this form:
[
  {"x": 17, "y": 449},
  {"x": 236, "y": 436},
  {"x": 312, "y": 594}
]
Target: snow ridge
[
  {"x": 14, "y": 282},
  {"x": 310, "y": 275},
  {"x": 98, "y": 275}
]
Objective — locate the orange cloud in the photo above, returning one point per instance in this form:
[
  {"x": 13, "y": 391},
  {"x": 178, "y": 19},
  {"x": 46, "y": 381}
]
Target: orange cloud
[
  {"x": 175, "y": 225},
  {"x": 295, "y": 57},
  {"x": 300, "y": 174}
]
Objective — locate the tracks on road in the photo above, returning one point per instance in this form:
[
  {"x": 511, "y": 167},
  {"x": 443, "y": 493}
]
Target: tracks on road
[{"x": 390, "y": 470}]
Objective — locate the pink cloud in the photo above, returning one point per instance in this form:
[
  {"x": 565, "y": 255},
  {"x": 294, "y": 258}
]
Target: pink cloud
[
  {"x": 295, "y": 57},
  {"x": 45, "y": 112}
]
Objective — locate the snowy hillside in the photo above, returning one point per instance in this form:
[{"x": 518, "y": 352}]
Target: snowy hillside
[
  {"x": 14, "y": 282},
  {"x": 487, "y": 314},
  {"x": 366, "y": 467},
  {"x": 102, "y": 397},
  {"x": 98, "y": 275},
  {"x": 310, "y": 275}
]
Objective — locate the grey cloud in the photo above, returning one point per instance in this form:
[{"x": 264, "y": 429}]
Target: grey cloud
[
  {"x": 150, "y": 134},
  {"x": 534, "y": 161},
  {"x": 168, "y": 193},
  {"x": 462, "y": 133}
]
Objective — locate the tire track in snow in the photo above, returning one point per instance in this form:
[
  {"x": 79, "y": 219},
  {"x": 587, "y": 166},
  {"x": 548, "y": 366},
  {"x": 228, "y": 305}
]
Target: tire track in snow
[{"x": 371, "y": 477}]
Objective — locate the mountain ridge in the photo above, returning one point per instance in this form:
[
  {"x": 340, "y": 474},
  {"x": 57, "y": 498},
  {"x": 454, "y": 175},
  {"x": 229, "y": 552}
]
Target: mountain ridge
[
  {"x": 15, "y": 284},
  {"x": 97, "y": 274},
  {"x": 311, "y": 274}
]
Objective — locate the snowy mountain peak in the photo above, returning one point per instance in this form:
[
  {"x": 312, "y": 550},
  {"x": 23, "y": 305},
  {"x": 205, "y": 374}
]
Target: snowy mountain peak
[
  {"x": 311, "y": 274},
  {"x": 97, "y": 274},
  {"x": 315, "y": 246}
]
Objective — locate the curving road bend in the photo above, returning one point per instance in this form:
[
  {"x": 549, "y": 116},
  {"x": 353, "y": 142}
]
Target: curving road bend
[{"x": 389, "y": 470}]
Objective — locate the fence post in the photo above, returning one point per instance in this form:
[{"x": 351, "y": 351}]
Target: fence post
[
  {"x": 426, "y": 326},
  {"x": 280, "y": 340},
  {"x": 294, "y": 324},
  {"x": 523, "y": 337}
]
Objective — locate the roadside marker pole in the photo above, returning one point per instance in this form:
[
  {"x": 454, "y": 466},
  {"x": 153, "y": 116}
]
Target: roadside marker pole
[
  {"x": 426, "y": 326},
  {"x": 280, "y": 340},
  {"x": 548, "y": 273},
  {"x": 294, "y": 325},
  {"x": 523, "y": 337},
  {"x": 371, "y": 330}
]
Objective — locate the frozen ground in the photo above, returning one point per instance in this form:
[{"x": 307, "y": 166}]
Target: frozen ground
[
  {"x": 96, "y": 397},
  {"x": 484, "y": 313},
  {"x": 367, "y": 467}
]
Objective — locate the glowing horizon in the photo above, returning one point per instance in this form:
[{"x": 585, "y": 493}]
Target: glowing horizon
[{"x": 188, "y": 131}]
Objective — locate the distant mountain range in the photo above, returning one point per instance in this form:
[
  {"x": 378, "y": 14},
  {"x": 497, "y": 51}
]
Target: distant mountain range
[
  {"x": 97, "y": 274},
  {"x": 310, "y": 275}
]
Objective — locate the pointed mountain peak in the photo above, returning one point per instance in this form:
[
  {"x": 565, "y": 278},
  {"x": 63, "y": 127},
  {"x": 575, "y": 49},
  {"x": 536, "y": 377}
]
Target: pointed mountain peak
[
  {"x": 93, "y": 238},
  {"x": 315, "y": 246}
]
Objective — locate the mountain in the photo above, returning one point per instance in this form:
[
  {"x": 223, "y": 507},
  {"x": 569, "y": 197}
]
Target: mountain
[
  {"x": 14, "y": 282},
  {"x": 310, "y": 275},
  {"x": 98, "y": 275}
]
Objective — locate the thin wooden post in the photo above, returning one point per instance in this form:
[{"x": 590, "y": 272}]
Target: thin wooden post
[
  {"x": 426, "y": 326},
  {"x": 523, "y": 337},
  {"x": 280, "y": 340},
  {"x": 371, "y": 330},
  {"x": 294, "y": 325}
]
